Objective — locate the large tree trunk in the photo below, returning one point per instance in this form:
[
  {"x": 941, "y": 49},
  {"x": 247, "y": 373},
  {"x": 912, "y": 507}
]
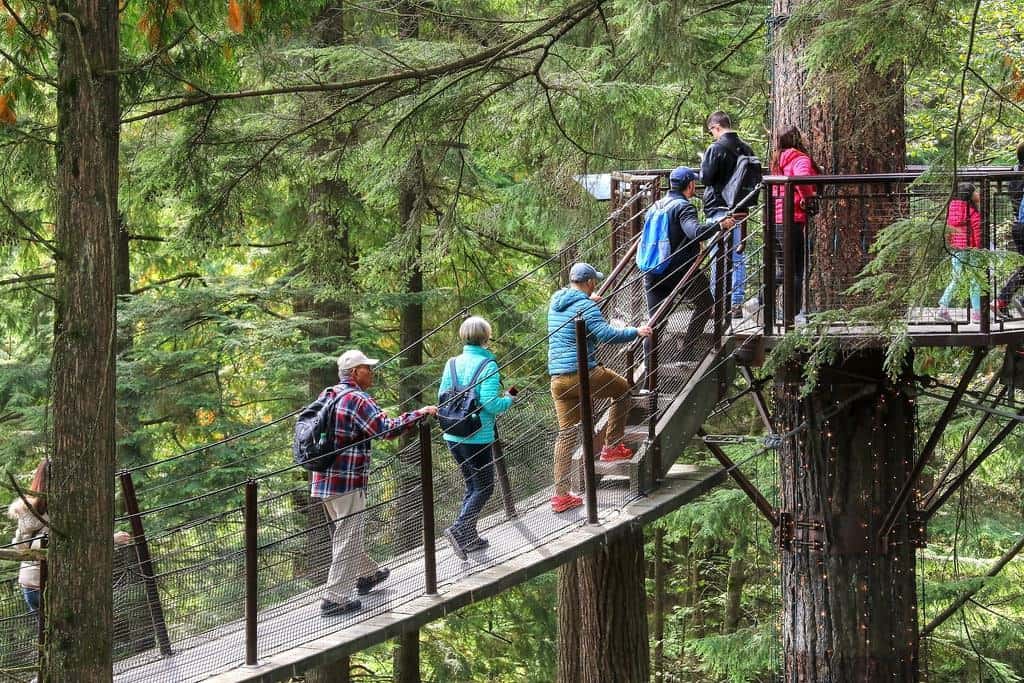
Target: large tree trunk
[
  {"x": 850, "y": 127},
  {"x": 78, "y": 595},
  {"x": 734, "y": 585},
  {"x": 606, "y": 640},
  {"x": 849, "y": 610}
]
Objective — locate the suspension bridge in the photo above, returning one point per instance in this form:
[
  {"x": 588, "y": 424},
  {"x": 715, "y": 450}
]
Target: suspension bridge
[{"x": 233, "y": 594}]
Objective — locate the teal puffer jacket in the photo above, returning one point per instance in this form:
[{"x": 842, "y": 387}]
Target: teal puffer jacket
[
  {"x": 565, "y": 305},
  {"x": 488, "y": 391}
]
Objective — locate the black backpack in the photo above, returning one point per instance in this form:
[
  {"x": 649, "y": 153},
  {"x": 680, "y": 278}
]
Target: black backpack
[
  {"x": 743, "y": 182},
  {"x": 314, "y": 446},
  {"x": 459, "y": 408}
]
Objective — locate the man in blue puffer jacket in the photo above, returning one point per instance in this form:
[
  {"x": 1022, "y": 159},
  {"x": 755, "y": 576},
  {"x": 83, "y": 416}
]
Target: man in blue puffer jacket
[{"x": 566, "y": 304}]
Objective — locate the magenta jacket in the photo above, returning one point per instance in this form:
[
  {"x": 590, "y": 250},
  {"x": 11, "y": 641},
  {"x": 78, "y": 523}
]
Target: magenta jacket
[
  {"x": 964, "y": 222},
  {"x": 793, "y": 162}
]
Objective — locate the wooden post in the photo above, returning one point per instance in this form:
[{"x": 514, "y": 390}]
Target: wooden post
[
  {"x": 501, "y": 472},
  {"x": 788, "y": 307},
  {"x": 251, "y": 576},
  {"x": 986, "y": 245},
  {"x": 652, "y": 395},
  {"x": 586, "y": 419},
  {"x": 427, "y": 503},
  {"x": 769, "y": 262},
  {"x": 156, "y": 610},
  {"x": 41, "y": 612}
]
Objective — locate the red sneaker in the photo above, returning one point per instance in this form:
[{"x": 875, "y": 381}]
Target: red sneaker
[
  {"x": 617, "y": 452},
  {"x": 566, "y": 502}
]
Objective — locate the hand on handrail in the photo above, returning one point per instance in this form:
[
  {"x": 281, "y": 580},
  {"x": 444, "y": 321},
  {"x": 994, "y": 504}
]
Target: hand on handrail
[{"x": 644, "y": 330}]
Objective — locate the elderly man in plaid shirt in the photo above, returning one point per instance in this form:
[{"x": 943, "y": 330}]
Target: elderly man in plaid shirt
[{"x": 343, "y": 485}]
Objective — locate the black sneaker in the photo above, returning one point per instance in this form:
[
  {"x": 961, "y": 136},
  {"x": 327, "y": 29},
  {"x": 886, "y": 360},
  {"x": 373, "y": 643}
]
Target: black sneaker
[
  {"x": 365, "y": 584},
  {"x": 477, "y": 545},
  {"x": 336, "y": 609},
  {"x": 457, "y": 548}
]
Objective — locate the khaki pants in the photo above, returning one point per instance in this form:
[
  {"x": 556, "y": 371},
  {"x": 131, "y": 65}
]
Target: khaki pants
[
  {"x": 565, "y": 389},
  {"x": 349, "y": 559}
]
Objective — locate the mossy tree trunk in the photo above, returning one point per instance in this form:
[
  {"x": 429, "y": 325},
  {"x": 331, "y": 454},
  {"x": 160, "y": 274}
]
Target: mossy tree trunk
[
  {"x": 849, "y": 609},
  {"x": 78, "y": 600},
  {"x": 602, "y": 615}
]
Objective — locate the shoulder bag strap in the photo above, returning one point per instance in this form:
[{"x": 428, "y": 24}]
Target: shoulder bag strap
[
  {"x": 456, "y": 387},
  {"x": 479, "y": 369}
]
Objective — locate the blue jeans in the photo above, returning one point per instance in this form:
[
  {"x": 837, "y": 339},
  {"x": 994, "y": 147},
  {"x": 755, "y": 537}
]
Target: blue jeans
[
  {"x": 477, "y": 467},
  {"x": 31, "y": 599},
  {"x": 962, "y": 258},
  {"x": 739, "y": 267}
]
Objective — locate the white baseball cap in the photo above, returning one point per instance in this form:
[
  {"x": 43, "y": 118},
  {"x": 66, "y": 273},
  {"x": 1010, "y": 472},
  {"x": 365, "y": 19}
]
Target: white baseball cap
[{"x": 354, "y": 358}]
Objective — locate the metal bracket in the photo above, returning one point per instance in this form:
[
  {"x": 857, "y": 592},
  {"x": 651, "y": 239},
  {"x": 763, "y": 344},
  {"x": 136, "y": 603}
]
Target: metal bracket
[{"x": 802, "y": 533}]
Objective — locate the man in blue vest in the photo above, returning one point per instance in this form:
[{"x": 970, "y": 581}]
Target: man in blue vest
[{"x": 685, "y": 234}]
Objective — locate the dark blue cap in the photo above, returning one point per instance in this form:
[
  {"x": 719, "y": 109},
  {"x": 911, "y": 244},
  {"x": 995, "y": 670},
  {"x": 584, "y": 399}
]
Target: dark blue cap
[
  {"x": 681, "y": 177},
  {"x": 581, "y": 272}
]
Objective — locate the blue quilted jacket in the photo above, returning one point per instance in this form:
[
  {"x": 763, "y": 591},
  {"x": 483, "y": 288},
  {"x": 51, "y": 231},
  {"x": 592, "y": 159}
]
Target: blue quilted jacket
[{"x": 565, "y": 305}]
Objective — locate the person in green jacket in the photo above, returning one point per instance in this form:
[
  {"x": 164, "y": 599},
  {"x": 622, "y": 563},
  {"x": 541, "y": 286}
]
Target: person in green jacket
[{"x": 473, "y": 452}]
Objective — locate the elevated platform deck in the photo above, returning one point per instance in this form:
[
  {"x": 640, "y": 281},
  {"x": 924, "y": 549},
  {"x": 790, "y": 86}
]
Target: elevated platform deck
[{"x": 533, "y": 543}]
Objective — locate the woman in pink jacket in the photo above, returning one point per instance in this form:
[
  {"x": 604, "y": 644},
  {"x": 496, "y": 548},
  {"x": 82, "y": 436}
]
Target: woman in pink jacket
[
  {"x": 963, "y": 235},
  {"x": 790, "y": 158}
]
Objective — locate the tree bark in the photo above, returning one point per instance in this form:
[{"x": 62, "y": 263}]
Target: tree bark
[
  {"x": 338, "y": 672},
  {"x": 849, "y": 611},
  {"x": 734, "y": 585},
  {"x": 849, "y": 127},
  {"x": 611, "y": 644},
  {"x": 406, "y": 658},
  {"x": 78, "y": 600}
]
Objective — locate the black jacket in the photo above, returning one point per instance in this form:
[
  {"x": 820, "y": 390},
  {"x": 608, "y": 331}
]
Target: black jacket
[
  {"x": 717, "y": 167},
  {"x": 685, "y": 235}
]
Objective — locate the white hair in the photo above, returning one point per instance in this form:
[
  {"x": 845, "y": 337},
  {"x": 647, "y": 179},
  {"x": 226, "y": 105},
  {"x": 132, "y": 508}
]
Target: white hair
[{"x": 475, "y": 330}]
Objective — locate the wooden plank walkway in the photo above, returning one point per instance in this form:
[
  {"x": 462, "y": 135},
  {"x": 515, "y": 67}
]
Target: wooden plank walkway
[{"x": 294, "y": 637}]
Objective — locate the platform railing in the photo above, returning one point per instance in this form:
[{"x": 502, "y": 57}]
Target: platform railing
[{"x": 853, "y": 210}]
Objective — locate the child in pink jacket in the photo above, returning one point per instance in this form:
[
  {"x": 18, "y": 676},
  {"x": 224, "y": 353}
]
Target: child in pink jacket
[{"x": 963, "y": 235}]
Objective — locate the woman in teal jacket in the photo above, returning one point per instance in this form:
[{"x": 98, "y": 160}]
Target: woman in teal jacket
[{"x": 473, "y": 452}]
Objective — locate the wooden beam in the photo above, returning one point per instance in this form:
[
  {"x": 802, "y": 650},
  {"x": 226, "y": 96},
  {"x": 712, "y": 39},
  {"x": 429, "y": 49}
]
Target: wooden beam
[
  {"x": 963, "y": 476},
  {"x": 962, "y": 600},
  {"x": 929, "y": 448},
  {"x": 760, "y": 502},
  {"x": 759, "y": 400}
]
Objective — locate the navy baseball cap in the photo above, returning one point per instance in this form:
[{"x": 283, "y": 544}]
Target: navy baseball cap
[
  {"x": 681, "y": 177},
  {"x": 581, "y": 272}
]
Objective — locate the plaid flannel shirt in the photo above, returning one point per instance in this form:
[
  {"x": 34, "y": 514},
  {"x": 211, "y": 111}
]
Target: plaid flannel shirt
[{"x": 358, "y": 417}]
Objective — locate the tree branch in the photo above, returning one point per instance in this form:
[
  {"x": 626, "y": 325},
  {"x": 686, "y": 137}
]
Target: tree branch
[
  {"x": 573, "y": 15},
  {"x": 26, "y": 278}
]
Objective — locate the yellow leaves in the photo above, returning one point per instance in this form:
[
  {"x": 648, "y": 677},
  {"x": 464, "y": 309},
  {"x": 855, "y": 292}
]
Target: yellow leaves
[
  {"x": 205, "y": 417},
  {"x": 150, "y": 29},
  {"x": 236, "y": 22},
  {"x": 7, "y": 115},
  {"x": 11, "y": 26}
]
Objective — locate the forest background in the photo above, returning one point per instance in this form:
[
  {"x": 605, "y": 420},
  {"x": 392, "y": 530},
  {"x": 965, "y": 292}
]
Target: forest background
[{"x": 284, "y": 195}]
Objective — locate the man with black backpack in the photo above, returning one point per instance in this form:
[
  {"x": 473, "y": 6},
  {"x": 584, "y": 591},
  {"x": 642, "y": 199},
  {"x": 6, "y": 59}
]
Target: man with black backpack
[
  {"x": 342, "y": 485},
  {"x": 718, "y": 174}
]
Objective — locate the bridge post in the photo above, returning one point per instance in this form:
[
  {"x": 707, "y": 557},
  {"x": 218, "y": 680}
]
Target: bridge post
[
  {"x": 251, "y": 577},
  {"x": 427, "y": 503},
  {"x": 652, "y": 391},
  {"x": 41, "y": 613},
  {"x": 501, "y": 470},
  {"x": 586, "y": 419},
  {"x": 156, "y": 610},
  {"x": 788, "y": 299},
  {"x": 986, "y": 244},
  {"x": 768, "y": 254}
]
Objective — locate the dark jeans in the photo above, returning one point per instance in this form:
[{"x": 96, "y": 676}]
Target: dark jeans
[
  {"x": 698, "y": 293},
  {"x": 478, "y": 470},
  {"x": 1017, "y": 279},
  {"x": 797, "y": 249},
  {"x": 31, "y": 599}
]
